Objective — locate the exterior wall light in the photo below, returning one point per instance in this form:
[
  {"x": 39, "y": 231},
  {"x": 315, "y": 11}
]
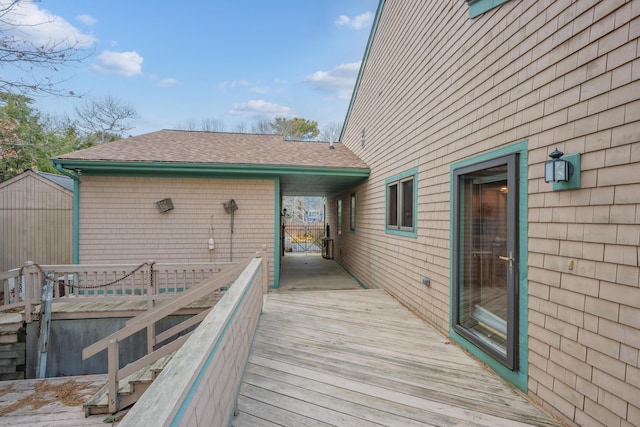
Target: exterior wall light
[
  {"x": 563, "y": 172},
  {"x": 557, "y": 169}
]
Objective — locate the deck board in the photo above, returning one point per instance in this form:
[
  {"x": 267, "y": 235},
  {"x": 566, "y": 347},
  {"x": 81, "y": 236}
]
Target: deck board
[
  {"x": 37, "y": 402},
  {"x": 358, "y": 357}
]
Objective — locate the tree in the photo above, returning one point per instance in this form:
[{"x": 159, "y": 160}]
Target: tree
[
  {"x": 262, "y": 126},
  {"x": 207, "y": 125},
  {"x": 29, "y": 57},
  {"x": 296, "y": 128},
  {"x": 27, "y": 141},
  {"x": 104, "y": 119},
  {"x": 330, "y": 132}
]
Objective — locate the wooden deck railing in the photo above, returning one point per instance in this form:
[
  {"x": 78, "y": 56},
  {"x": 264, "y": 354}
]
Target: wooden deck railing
[
  {"x": 202, "y": 380},
  {"x": 146, "y": 320},
  {"x": 22, "y": 288}
]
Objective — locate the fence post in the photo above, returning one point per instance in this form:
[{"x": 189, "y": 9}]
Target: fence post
[
  {"x": 27, "y": 282},
  {"x": 113, "y": 364},
  {"x": 151, "y": 302}
]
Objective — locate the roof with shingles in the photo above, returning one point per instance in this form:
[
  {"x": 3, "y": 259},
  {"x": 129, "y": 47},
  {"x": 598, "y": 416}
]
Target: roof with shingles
[{"x": 175, "y": 146}]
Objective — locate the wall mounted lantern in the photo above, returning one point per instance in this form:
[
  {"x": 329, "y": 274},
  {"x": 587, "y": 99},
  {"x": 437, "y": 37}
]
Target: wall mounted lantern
[
  {"x": 563, "y": 171},
  {"x": 557, "y": 169}
]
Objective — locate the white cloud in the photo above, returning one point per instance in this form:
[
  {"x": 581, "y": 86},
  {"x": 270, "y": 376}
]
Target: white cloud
[
  {"x": 230, "y": 84},
  {"x": 87, "y": 20},
  {"x": 338, "y": 81},
  {"x": 259, "y": 89},
  {"x": 357, "y": 23},
  {"x": 169, "y": 82},
  {"x": 26, "y": 21},
  {"x": 260, "y": 109},
  {"x": 126, "y": 64}
]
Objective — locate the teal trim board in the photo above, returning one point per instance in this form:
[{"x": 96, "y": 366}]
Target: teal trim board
[
  {"x": 372, "y": 34},
  {"x": 185, "y": 170},
  {"x": 478, "y": 7},
  {"x": 276, "y": 234},
  {"x": 518, "y": 378},
  {"x": 76, "y": 210},
  {"x": 196, "y": 383}
]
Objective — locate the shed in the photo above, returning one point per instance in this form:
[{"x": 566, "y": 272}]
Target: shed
[{"x": 36, "y": 219}]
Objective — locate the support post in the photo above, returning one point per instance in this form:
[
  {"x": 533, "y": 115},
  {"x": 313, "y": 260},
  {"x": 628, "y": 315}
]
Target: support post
[
  {"x": 45, "y": 326},
  {"x": 151, "y": 302},
  {"x": 113, "y": 366},
  {"x": 27, "y": 279},
  {"x": 265, "y": 270}
]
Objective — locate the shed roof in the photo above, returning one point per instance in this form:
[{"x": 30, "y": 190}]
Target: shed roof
[
  {"x": 61, "y": 180},
  {"x": 54, "y": 181},
  {"x": 304, "y": 168}
]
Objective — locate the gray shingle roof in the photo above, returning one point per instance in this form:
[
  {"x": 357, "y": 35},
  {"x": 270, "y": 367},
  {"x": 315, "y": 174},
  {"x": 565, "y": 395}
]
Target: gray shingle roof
[
  {"x": 220, "y": 148},
  {"x": 61, "y": 180}
]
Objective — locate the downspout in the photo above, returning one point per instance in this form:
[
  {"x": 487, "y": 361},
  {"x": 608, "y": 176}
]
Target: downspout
[{"x": 76, "y": 210}]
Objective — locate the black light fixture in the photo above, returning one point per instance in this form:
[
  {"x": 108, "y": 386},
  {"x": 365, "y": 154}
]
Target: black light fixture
[{"x": 556, "y": 169}]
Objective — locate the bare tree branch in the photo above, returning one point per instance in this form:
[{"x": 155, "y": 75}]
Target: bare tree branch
[
  {"x": 104, "y": 117},
  {"x": 20, "y": 52}
]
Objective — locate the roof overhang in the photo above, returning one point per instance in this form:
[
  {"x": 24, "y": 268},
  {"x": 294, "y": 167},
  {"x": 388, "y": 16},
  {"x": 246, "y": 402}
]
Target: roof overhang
[{"x": 294, "y": 180}]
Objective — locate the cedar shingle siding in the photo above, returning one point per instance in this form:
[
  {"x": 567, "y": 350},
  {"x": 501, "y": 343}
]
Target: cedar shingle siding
[
  {"x": 439, "y": 88},
  {"x": 120, "y": 223}
]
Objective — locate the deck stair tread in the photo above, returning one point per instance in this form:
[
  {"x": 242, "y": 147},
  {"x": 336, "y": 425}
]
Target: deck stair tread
[{"x": 129, "y": 389}]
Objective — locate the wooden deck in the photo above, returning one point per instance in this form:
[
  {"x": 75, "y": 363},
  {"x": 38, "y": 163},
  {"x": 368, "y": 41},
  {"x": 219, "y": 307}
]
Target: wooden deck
[
  {"x": 358, "y": 357},
  {"x": 49, "y": 402}
]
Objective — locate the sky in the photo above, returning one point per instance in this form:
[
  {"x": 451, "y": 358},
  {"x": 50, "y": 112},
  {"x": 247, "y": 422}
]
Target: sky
[{"x": 233, "y": 61}]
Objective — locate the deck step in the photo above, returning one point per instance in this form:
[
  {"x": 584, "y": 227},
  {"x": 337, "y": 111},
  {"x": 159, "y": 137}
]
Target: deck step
[{"x": 129, "y": 389}]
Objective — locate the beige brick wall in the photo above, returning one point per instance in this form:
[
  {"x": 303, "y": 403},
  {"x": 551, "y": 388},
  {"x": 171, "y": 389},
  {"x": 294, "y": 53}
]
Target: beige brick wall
[
  {"x": 119, "y": 222},
  {"x": 439, "y": 88}
]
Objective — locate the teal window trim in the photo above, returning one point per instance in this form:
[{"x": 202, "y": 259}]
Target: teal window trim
[
  {"x": 478, "y": 7},
  {"x": 352, "y": 213},
  {"x": 413, "y": 232},
  {"x": 518, "y": 378}
]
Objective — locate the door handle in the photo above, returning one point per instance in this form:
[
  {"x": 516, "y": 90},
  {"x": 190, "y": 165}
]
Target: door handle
[{"x": 508, "y": 258}]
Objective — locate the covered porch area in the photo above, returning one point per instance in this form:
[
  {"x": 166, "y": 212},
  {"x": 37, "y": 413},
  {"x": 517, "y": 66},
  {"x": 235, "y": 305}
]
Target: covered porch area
[{"x": 312, "y": 272}]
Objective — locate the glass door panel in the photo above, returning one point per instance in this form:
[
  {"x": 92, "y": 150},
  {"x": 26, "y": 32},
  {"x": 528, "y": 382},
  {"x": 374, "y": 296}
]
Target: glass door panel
[{"x": 484, "y": 289}]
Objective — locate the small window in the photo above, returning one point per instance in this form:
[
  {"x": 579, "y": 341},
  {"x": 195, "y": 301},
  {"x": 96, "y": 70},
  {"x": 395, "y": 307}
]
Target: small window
[
  {"x": 400, "y": 204},
  {"x": 339, "y": 219},
  {"x": 352, "y": 222}
]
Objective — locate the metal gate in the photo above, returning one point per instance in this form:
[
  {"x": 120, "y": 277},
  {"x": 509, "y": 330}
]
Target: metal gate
[{"x": 303, "y": 237}]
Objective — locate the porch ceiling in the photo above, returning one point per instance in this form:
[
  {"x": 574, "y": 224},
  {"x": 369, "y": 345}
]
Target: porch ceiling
[{"x": 319, "y": 184}]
